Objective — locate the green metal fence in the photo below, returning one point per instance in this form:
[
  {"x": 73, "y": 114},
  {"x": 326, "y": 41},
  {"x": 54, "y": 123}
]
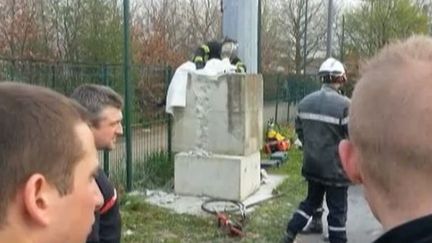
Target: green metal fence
[
  {"x": 151, "y": 129},
  {"x": 282, "y": 93},
  {"x": 289, "y": 88},
  {"x": 151, "y": 162}
]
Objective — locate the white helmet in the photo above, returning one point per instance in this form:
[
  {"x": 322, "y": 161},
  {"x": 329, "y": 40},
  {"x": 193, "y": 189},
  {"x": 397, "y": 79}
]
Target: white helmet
[
  {"x": 229, "y": 48},
  {"x": 332, "y": 68}
]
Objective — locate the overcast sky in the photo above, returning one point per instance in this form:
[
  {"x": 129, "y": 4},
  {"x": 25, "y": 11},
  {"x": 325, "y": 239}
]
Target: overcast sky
[{"x": 347, "y": 3}]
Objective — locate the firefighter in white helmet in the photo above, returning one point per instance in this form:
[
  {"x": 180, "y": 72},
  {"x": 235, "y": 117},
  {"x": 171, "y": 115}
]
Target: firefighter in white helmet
[
  {"x": 332, "y": 71},
  {"x": 321, "y": 124}
]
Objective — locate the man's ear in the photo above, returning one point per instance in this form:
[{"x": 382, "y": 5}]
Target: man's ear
[
  {"x": 36, "y": 196},
  {"x": 350, "y": 161}
]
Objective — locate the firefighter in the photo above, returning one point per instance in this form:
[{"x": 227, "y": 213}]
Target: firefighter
[
  {"x": 321, "y": 124},
  {"x": 227, "y": 48},
  {"x": 105, "y": 106}
]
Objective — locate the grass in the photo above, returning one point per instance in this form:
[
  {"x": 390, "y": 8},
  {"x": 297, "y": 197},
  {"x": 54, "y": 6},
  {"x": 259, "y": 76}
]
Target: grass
[
  {"x": 155, "y": 171},
  {"x": 143, "y": 222}
]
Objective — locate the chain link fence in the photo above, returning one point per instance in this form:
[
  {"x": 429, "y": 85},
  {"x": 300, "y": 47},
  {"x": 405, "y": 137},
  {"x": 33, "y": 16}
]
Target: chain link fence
[
  {"x": 282, "y": 93},
  {"x": 151, "y": 137}
]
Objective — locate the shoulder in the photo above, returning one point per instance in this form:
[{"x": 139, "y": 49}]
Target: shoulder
[
  {"x": 338, "y": 99},
  {"x": 311, "y": 97},
  {"x": 343, "y": 100},
  {"x": 108, "y": 191}
]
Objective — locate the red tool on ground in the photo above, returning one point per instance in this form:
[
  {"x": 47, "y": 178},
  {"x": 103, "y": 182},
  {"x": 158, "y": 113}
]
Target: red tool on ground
[{"x": 233, "y": 229}]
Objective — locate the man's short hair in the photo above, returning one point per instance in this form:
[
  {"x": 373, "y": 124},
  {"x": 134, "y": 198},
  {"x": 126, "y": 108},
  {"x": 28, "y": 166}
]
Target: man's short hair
[
  {"x": 95, "y": 98},
  {"x": 391, "y": 108},
  {"x": 37, "y": 135}
]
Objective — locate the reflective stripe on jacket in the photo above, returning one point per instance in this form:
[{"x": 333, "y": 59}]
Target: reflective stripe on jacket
[{"x": 321, "y": 123}]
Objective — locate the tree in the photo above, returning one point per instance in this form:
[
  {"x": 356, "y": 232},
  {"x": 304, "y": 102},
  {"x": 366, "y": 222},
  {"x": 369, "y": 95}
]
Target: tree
[
  {"x": 100, "y": 34},
  {"x": 167, "y": 31},
  {"x": 272, "y": 52},
  {"x": 205, "y": 18},
  {"x": 376, "y": 23},
  {"x": 426, "y": 6},
  {"x": 67, "y": 18},
  {"x": 18, "y": 28},
  {"x": 157, "y": 25},
  {"x": 283, "y": 31}
]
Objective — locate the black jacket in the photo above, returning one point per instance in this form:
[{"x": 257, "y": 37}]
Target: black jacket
[
  {"x": 416, "y": 231},
  {"x": 321, "y": 124},
  {"x": 107, "y": 226},
  {"x": 207, "y": 51},
  {"x": 212, "y": 50}
]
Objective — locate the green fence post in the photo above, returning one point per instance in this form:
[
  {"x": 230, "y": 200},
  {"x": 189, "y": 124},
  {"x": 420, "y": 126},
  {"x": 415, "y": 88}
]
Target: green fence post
[
  {"x": 106, "y": 159},
  {"x": 128, "y": 93},
  {"x": 53, "y": 77},
  {"x": 277, "y": 98},
  {"x": 12, "y": 71},
  {"x": 168, "y": 73},
  {"x": 288, "y": 91}
]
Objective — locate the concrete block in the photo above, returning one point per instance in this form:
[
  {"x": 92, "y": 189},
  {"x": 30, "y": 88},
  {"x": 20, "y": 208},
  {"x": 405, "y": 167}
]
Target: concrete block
[
  {"x": 223, "y": 112},
  {"x": 220, "y": 176}
]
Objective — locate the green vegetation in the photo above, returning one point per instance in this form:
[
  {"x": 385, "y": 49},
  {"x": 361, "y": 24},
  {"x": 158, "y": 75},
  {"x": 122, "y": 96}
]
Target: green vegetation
[
  {"x": 143, "y": 222},
  {"x": 376, "y": 23}
]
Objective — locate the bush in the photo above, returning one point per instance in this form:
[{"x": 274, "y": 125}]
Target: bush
[{"x": 156, "y": 171}]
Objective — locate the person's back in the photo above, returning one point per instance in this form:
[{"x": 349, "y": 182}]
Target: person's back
[
  {"x": 320, "y": 124},
  {"x": 323, "y": 116}
]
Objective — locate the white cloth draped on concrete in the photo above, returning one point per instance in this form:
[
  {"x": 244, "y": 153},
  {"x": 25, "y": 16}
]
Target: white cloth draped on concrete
[{"x": 176, "y": 95}]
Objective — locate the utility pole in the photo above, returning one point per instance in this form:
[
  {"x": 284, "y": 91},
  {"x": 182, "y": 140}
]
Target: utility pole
[
  {"x": 128, "y": 93},
  {"x": 329, "y": 29},
  {"x": 240, "y": 22}
]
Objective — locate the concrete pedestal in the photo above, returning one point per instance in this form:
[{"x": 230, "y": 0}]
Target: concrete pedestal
[
  {"x": 218, "y": 136},
  {"x": 220, "y": 176},
  {"x": 223, "y": 115}
]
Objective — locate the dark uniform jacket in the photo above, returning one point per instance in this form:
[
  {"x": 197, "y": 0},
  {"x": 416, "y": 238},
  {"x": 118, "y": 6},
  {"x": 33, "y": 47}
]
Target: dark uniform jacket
[
  {"x": 321, "y": 124},
  {"x": 212, "y": 50},
  {"x": 416, "y": 231},
  {"x": 107, "y": 226}
]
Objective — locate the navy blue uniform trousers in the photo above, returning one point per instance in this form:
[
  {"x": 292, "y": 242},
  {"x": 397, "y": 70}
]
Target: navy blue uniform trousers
[{"x": 336, "y": 198}]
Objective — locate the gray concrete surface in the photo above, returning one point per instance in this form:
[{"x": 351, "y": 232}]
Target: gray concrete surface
[
  {"x": 192, "y": 205},
  {"x": 362, "y": 227},
  {"x": 212, "y": 175},
  {"x": 223, "y": 115}
]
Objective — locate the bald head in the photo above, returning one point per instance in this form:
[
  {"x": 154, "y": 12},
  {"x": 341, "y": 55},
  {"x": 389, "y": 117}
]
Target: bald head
[{"x": 391, "y": 111}]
